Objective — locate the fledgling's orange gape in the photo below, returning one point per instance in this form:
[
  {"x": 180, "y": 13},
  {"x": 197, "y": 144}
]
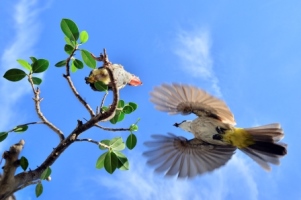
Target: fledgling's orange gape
[{"x": 215, "y": 137}]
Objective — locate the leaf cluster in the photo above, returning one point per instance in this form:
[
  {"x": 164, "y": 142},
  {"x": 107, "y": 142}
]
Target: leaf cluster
[
  {"x": 122, "y": 110},
  {"x": 113, "y": 158},
  {"x": 72, "y": 35},
  {"x": 36, "y": 66}
]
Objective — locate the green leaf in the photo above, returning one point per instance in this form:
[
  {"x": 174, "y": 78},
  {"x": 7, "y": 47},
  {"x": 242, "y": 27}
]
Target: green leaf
[
  {"x": 133, "y": 105},
  {"x": 39, "y": 189},
  {"x": 131, "y": 141},
  {"x": 20, "y": 129},
  {"x": 36, "y": 80},
  {"x": 134, "y": 127},
  {"x": 127, "y": 109},
  {"x": 123, "y": 163},
  {"x": 61, "y": 63},
  {"x": 117, "y": 144},
  {"x": 106, "y": 142},
  {"x": 83, "y": 37},
  {"x": 100, "y": 161},
  {"x": 88, "y": 59},
  {"x": 68, "y": 48},
  {"x": 78, "y": 64},
  {"x": 68, "y": 41},
  {"x": 24, "y": 64},
  {"x": 119, "y": 116},
  {"x": 3, "y": 136},
  {"x": 33, "y": 59},
  {"x": 101, "y": 86},
  {"x": 110, "y": 162},
  {"x": 70, "y": 29},
  {"x": 24, "y": 163},
  {"x": 73, "y": 68},
  {"x": 114, "y": 120},
  {"x": 104, "y": 108},
  {"x": 46, "y": 173},
  {"x": 115, "y": 141},
  {"x": 120, "y": 104},
  {"x": 14, "y": 74},
  {"x": 40, "y": 66}
]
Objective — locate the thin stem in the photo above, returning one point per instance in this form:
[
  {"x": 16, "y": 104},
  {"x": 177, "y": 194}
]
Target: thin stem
[
  {"x": 70, "y": 82},
  {"x": 37, "y": 101},
  {"x": 92, "y": 141},
  {"x": 112, "y": 129},
  {"x": 30, "y": 123},
  {"x": 103, "y": 101}
]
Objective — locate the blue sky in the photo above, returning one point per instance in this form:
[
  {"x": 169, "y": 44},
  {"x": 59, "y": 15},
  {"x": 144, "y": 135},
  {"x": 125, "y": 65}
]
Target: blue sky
[{"x": 247, "y": 53}]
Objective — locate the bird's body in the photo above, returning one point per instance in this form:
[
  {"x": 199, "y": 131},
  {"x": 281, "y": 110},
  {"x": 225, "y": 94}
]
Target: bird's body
[
  {"x": 122, "y": 77},
  {"x": 215, "y": 136},
  {"x": 204, "y": 128}
]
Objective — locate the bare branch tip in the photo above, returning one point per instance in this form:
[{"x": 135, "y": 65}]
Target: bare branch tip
[{"x": 22, "y": 142}]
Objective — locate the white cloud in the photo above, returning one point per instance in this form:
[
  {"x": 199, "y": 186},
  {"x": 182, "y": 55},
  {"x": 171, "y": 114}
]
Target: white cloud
[
  {"x": 232, "y": 181},
  {"x": 25, "y": 36},
  {"x": 193, "y": 48}
]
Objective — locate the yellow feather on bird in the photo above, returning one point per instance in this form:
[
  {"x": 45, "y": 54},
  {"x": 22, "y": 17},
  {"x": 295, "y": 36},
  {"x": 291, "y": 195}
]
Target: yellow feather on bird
[{"x": 238, "y": 137}]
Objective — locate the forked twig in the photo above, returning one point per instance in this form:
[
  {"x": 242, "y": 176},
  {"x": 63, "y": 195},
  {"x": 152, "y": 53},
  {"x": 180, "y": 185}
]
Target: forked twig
[
  {"x": 70, "y": 82},
  {"x": 37, "y": 101}
]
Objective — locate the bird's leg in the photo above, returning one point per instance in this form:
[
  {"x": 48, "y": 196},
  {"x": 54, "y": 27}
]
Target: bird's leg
[
  {"x": 217, "y": 137},
  {"x": 220, "y": 131}
]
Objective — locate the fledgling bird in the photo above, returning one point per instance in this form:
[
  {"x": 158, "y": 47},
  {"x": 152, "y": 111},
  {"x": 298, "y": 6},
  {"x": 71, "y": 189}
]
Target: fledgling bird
[
  {"x": 122, "y": 77},
  {"x": 215, "y": 136}
]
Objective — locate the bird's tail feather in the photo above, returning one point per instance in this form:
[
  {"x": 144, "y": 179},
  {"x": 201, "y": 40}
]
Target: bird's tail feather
[{"x": 266, "y": 148}]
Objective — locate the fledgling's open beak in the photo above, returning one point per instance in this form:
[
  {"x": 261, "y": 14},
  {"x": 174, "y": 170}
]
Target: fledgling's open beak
[{"x": 135, "y": 81}]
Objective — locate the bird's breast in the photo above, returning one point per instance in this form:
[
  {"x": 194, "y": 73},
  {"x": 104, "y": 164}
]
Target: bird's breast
[{"x": 205, "y": 128}]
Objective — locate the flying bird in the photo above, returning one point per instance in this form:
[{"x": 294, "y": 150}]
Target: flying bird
[
  {"x": 122, "y": 77},
  {"x": 215, "y": 136}
]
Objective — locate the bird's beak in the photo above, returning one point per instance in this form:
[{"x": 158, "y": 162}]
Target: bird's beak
[
  {"x": 176, "y": 125},
  {"x": 135, "y": 81}
]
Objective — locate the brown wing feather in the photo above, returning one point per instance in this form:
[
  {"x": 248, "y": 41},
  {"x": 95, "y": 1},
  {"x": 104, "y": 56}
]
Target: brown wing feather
[
  {"x": 185, "y": 99},
  {"x": 186, "y": 158},
  {"x": 270, "y": 132}
]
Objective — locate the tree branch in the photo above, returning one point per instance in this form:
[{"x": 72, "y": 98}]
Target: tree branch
[
  {"x": 28, "y": 184},
  {"x": 111, "y": 129},
  {"x": 23, "y": 178},
  {"x": 93, "y": 141},
  {"x": 110, "y": 113},
  {"x": 77, "y": 95},
  {"x": 37, "y": 101},
  {"x": 9, "y": 169},
  {"x": 102, "y": 102}
]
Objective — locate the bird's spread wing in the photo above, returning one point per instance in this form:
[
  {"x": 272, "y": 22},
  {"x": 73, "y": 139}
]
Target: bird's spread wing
[
  {"x": 185, "y": 158},
  {"x": 185, "y": 99}
]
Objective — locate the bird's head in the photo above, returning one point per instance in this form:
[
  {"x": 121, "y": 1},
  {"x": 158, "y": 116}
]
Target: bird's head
[
  {"x": 100, "y": 74},
  {"x": 185, "y": 125}
]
